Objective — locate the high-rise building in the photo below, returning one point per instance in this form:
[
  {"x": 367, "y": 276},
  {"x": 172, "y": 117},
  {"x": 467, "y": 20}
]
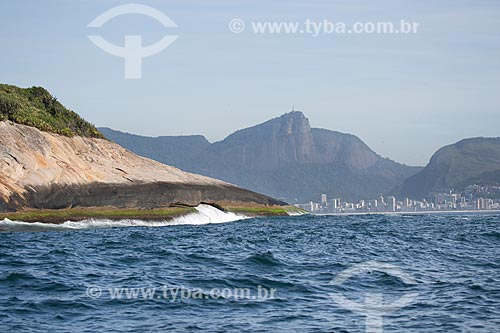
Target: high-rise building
[
  {"x": 481, "y": 203},
  {"x": 335, "y": 203},
  {"x": 324, "y": 199},
  {"x": 391, "y": 204}
]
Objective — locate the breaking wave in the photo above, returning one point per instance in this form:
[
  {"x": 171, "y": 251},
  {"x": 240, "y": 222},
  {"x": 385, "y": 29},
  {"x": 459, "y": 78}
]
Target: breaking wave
[{"x": 205, "y": 214}]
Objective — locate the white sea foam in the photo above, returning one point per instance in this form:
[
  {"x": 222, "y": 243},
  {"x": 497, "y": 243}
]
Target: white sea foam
[
  {"x": 205, "y": 214},
  {"x": 296, "y": 213}
]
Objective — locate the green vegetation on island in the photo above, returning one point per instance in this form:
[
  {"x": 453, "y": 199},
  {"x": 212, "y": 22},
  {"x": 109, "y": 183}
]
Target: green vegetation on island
[
  {"x": 265, "y": 210},
  {"x": 36, "y": 107},
  {"x": 156, "y": 214},
  {"x": 110, "y": 213}
]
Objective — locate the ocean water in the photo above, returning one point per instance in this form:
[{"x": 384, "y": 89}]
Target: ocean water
[{"x": 399, "y": 273}]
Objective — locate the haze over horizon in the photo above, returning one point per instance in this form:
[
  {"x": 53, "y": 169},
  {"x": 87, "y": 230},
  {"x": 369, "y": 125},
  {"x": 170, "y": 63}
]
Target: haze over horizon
[
  {"x": 263, "y": 121},
  {"x": 403, "y": 95}
]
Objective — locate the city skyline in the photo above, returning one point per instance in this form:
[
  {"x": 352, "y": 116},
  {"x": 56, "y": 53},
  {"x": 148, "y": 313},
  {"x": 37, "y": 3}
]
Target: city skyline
[{"x": 472, "y": 198}]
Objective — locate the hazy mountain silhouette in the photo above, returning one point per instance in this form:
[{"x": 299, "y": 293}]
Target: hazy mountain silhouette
[
  {"x": 467, "y": 162},
  {"x": 283, "y": 157}
]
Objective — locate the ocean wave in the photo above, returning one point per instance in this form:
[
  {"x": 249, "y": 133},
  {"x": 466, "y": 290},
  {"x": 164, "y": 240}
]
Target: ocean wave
[
  {"x": 205, "y": 214},
  {"x": 263, "y": 258},
  {"x": 44, "y": 276}
]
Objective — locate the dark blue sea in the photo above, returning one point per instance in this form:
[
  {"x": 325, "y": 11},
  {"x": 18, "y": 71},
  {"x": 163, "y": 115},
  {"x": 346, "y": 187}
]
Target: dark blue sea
[{"x": 399, "y": 273}]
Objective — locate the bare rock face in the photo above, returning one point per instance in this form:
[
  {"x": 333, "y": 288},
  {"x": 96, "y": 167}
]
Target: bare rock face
[
  {"x": 270, "y": 145},
  {"x": 45, "y": 170}
]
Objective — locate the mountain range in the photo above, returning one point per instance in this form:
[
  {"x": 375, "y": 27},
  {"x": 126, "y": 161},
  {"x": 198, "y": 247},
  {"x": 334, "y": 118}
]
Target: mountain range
[{"x": 283, "y": 157}]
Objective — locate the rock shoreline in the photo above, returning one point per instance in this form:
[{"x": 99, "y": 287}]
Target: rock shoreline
[
  {"x": 139, "y": 195},
  {"x": 42, "y": 170},
  {"x": 78, "y": 214}
]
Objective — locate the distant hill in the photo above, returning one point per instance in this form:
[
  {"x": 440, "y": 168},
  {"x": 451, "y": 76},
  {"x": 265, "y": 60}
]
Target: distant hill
[
  {"x": 173, "y": 150},
  {"x": 283, "y": 157},
  {"x": 467, "y": 162}
]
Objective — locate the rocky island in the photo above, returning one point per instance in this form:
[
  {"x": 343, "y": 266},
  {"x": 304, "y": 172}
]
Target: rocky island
[{"x": 56, "y": 166}]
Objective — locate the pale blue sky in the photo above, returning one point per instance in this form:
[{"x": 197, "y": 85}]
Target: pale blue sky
[{"x": 404, "y": 95}]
